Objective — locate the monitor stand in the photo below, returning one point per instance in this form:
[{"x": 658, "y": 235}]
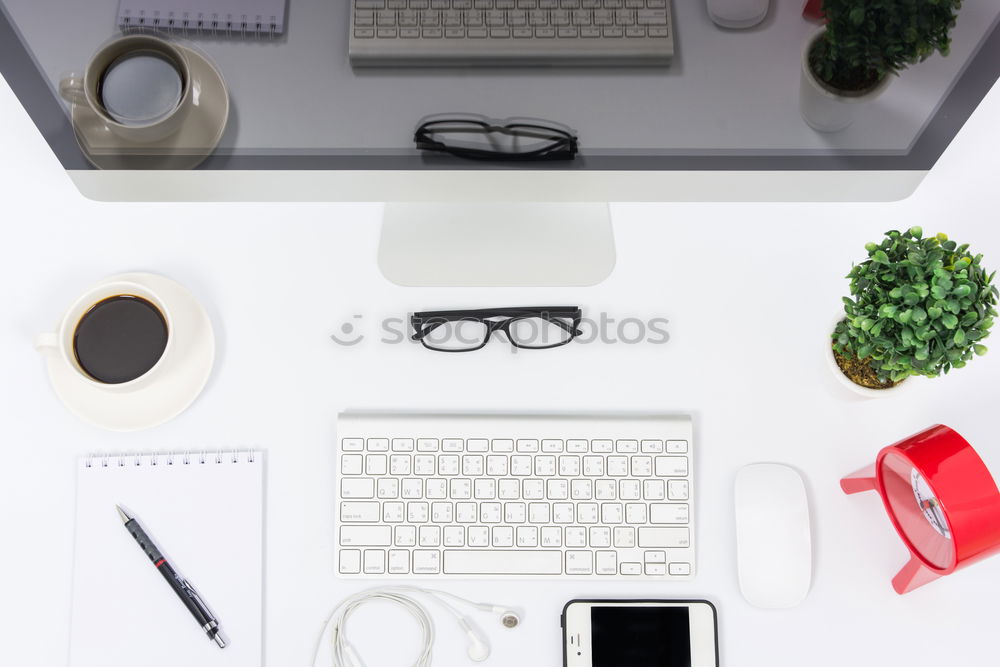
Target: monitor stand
[{"x": 496, "y": 244}]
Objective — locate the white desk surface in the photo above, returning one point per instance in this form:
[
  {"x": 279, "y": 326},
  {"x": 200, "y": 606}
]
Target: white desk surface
[{"x": 750, "y": 291}]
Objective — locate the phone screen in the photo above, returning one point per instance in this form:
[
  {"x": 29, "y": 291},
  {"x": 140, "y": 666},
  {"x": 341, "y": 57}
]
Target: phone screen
[{"x": 646, "y": 636}]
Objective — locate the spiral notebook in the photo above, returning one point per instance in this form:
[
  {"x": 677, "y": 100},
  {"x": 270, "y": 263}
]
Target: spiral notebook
[
  {"x": 219, "y": 17},
  {"x": 205, "y": 512}
]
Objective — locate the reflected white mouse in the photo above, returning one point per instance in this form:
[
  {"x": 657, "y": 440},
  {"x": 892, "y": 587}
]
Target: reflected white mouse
[
  {"x": 773, "y": 540},
  {"x": 737, "y": 13}
]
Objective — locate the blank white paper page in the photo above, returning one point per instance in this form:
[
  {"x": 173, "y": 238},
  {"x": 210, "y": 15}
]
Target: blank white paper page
[{"x": 205, "y": 513}]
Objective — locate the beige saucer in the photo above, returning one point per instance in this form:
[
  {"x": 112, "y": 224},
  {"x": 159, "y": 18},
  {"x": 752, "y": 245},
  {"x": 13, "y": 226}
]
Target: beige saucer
[{"x": 196, "y": 139}]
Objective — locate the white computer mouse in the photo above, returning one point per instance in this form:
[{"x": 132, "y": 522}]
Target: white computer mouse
[
  {"x": 737, "y": 13},
  {"x": 773, "y": 539}
]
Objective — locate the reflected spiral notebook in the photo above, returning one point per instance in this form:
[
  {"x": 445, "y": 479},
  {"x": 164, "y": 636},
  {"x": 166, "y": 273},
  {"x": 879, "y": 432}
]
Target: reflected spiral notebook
[
  {"x": 205, "y": 512},
  {"x": 262, "y": 18}
]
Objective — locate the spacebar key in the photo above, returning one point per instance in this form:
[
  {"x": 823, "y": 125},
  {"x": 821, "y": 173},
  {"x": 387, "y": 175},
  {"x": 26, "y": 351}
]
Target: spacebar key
[{"x": 503, "y": 562}]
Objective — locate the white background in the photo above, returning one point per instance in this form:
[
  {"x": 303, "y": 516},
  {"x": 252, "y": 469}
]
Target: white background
[{"x": 750, "y": 291}]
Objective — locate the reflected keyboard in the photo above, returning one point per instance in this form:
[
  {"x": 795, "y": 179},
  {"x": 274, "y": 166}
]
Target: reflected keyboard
[
  {"x": 478, "y": 496},
  {"x": 511, "y": 32}
]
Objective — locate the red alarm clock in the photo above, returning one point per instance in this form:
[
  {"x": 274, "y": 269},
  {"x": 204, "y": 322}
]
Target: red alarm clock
[{"x": 941, "y": 499}]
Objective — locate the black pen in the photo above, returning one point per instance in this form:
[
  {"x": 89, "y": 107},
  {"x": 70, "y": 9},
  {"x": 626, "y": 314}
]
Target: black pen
[{"x": 185, "y": 591}]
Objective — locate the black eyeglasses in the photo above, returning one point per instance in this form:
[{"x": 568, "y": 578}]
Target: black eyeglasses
[
  {"x": 481, "y": 138},
  {"x": 467, "y": 330}
]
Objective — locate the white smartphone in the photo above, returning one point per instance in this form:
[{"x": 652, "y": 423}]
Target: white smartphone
[{"x": 630, "y": 633}]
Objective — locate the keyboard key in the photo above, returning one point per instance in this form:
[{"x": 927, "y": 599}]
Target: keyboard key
[
  {"x": 611, "y": 513},
  {"x": 660, "y": 513},
  {"x": 477, "y": 445},
  {"x": 427, "y": 444},
  {"x": 654, "y": 489},
  {"x": 496, "y": 466},
  {"x": 442, "y": 512},
  {"x": 399, "y": 561},
  {"x": 576, "y": 536},
  {"x": 503, "y": 536},
  {"x": 376, "y": 464},
  {"x": 402, "y": 444},
  {"x": 655, "y": 557},
  {"x": 436, "y": 488},
  {"x": 577, "y": 446},
  {"x": 417, "y": 512},
  {"x": 552, "y": 446},
  {"x": 520, "y": 466},
  {"x": 359, "y": 512},
  {"x": 448, "y": 464},
  {"x": 485, "y": 488},
  {"x": 607, "y": 562},
  {"x": 503, "y": 562},
  {"x": 642, "y": 466},
  {"x": 551, "y": 536},
  {"x": 374, "y": 561},
  {"x": 503, "y": 445},
  {"x": 508, "y": 489},
  {"x": 350, "y": 561},
  {"x": 663, "y": 537},
  {"x": 479, "y": 536},
  {"x": 405, "y": 536},
  {"x": 677, "y": 489},
  {"x": 677, "y": 446},
  {"x": 412, "y": 488},
  {"x": 631, "y": 569},
  {"x": 671, "y": 466},
  {"x": 627, "y": 446},
  {"x": 600, "y": 536},
  {"x": 452, "y": 445},
  {"x": 426, "y": 561},
  {"x": 366, "y": 536},
  {"x": 527, "y": 536},
  {"x": 680, "y": 569},
  {"x": 352, "y": 444},
  {"x": 629, "y": 489},
  {"x": 454, "y": 536},
  {"x": 378, "y": 444},
  {"x": 587, "y": 512},
  {"x": 393, "y": 512},
  {"x": 489, "y": 512},
  {"x": 605, "y": 489},
  {"x": 459, "y": 488},
  {"x": 539, "y": 512},
  {"x": 472, "y": 465},
  {"x": 624, "y": 537},
  {"x": 429, "y": 536},
  {"x": 357, "y": 488},
  {"x": 423, "y": 464},
  {"x": 581, "y": 489},
  {"x": 617, "y": 466},
  {"x": 655, "y": 569},
  {"x": 399, "y": 464},
  {"x": 466, "y": 512},
  {"x": 579, "y": 562},
  {"x": 351, "y": 464},
  {"x": 545, "y": 466},
  {"x": 569, "y": 466},
  {"x": 652, "y": 446},
  {"x": 557, "y": 489},
  {"x": 533, "y": 489},
  {"x": 387, "y": 488},
  {"x": 527, "y": 446}
]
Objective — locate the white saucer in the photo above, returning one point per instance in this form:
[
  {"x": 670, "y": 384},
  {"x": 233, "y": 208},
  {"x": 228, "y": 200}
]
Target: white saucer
[
  {"x": 163, "y": 398},
  {"x": 196, "y": 139}
]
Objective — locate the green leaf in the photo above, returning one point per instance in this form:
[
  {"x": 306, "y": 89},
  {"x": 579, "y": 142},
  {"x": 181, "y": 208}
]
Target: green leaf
[
  {"x": 880, "y": 257},
  {"x": 934, "y": 312},
  {"x": 980, "y": 349},
  {"x": 949, "y": 321},
  {"x": 959, "y": 337}
]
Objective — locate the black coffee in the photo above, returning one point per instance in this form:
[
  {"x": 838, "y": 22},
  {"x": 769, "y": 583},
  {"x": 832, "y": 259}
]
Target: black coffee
[{"x": 120, "y": 339}]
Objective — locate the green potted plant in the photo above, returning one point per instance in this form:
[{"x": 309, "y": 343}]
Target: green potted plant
[
  {"x": 851, "y": 58},
  {"x": 918, "y": 306}
]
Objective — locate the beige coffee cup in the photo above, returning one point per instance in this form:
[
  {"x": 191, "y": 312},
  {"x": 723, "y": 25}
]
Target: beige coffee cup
[{"x": 85, "y": 89}]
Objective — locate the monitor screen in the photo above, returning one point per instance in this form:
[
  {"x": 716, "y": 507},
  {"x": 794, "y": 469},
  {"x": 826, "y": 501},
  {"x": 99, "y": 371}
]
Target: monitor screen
[{"x": 728, "y": 100}]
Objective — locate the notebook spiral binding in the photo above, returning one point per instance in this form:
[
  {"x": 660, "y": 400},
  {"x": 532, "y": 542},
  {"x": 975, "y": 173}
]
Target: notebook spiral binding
[
  {"x": 203, "y": 457},
  {"x": 241, "y": 26}
]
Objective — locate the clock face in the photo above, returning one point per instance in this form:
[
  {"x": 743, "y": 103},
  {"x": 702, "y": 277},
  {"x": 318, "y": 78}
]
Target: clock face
[
  {"x": 929, "y": 504},
  {"x": 917, "y": 512}
]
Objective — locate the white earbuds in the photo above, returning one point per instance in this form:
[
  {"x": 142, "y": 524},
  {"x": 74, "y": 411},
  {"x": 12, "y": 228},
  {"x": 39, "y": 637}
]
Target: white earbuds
[
  {"x": 479, "y": 650},
  {"x": 344, "y": 654}
]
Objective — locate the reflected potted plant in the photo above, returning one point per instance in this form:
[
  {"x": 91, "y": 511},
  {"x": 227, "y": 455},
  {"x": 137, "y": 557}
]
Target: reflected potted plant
[
  {"x": 850, "y": 59},
  {"x": 918, "y": 306}
]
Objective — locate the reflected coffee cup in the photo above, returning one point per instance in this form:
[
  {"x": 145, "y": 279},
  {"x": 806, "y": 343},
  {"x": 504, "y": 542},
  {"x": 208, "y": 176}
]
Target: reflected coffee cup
[
  {"x": 117, "y": 336},
  {"x": 140, "y": 86}
]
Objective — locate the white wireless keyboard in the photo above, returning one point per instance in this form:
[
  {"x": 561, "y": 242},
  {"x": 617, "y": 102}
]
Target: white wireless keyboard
[
  {"x": 529, "y": 496},
  {"x": 511, "y": 32}
]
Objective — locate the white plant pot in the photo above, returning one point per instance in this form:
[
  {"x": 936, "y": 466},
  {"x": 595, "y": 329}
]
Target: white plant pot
[
  {"x": 827, "y": 109},
  {"x": 848, "y": 383}
]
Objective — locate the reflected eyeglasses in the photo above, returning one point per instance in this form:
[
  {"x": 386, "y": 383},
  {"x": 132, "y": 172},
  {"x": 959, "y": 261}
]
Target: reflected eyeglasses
[
  {"x": 485, "y": 139},
  {"x": 537, "y": 328}
]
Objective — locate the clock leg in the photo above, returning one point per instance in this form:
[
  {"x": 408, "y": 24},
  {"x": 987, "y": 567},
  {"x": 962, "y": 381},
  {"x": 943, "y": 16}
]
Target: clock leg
[
  {"x": 913, "y": 575},
  {"x": 861, "y": 480}
]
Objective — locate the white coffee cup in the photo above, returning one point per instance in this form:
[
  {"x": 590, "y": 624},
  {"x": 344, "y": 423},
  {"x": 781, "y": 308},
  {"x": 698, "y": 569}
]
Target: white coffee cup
[
  {"x": 59, "y": 344},
  {"x": 86, "y": 89}
]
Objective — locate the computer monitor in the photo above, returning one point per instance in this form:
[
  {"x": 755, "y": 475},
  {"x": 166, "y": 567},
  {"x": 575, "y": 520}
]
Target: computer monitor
[{"x": 720, "y": 123}]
